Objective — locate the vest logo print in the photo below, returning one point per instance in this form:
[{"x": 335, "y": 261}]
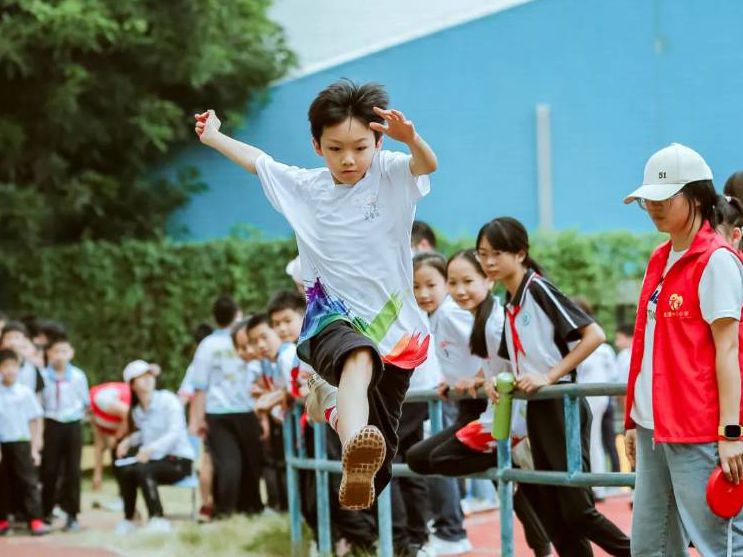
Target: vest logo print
[
  {"x": 676, "y": 301},
  {"x": 525, "y": 318}
]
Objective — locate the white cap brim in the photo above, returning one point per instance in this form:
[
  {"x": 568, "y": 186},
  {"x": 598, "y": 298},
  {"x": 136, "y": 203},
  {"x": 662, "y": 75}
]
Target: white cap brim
[
  {"x": 654, "y": 192},
  {"x": 137, "y": 368}
]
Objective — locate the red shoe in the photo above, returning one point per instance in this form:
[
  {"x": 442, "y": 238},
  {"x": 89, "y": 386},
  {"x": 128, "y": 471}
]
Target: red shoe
[
  {"x": 4, "y": 527},
  {"x": 206, "y": 513},
  {"x": 38, "y": 528}
]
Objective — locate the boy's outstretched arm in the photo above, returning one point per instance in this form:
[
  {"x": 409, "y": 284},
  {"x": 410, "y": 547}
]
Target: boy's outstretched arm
[
  {"x": 398, "y": 127},
  {"x": 207, "y": 128}
]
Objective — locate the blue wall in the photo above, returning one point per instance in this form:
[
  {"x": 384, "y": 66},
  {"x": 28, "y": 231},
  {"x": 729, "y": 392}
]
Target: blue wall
[{"x": 623, "y": 78}]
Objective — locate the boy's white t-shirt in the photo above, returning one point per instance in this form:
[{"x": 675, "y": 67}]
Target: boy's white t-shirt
[
  {"x": 451, "y": 327},
  {"x": 720, "y": 295},
  {"x": 67, "y": 396},
  {"x": 225, "y": 378},
  {"x": 354, "y": 249},
  {"x": 18, "y": 406}
]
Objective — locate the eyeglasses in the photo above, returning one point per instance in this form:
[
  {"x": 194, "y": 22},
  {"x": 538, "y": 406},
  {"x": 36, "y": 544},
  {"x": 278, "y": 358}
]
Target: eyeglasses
[
  {"x": 643, "y": 203},
  {"x": 483, "y": 255}
]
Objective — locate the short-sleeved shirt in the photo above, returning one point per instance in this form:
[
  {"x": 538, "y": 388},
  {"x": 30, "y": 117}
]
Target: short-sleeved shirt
[
  {"x": 599, "y": 367},
  {"x": 65, "y": 396},
  {"x": 354, "y": 249},
  {"x": 18, "y": 406},
  {"x": 548, "y": 326},
  {"x": 162, "y": 427},
  {"x": 226, "y": 379},
  {"x": 31, "y": 376},
  {"x": 451, "y": 327},
  {"x": 720, "y": 296}
]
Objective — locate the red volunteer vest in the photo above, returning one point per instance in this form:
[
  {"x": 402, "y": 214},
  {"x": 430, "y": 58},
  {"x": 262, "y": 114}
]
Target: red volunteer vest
[{"x": 686, "y": 406}]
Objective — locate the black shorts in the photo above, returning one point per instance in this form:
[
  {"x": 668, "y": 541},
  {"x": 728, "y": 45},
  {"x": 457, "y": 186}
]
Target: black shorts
[{"x": 330, "y": 348}]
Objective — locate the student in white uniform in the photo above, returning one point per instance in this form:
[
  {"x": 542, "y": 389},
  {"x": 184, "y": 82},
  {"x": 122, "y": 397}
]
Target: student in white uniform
[
  {"x": 157, "y": 445},
  {"x": 65, "y": 400},
  {"x": 546, "y": 338},
  {"x": 15, "y": 337},
  {"x": 223, "y": 384},
  {"x": 20, "y": 445}
]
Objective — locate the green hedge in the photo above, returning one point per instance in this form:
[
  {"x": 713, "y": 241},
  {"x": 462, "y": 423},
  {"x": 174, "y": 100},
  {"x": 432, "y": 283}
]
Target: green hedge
[{"x": 141, "y": 299}]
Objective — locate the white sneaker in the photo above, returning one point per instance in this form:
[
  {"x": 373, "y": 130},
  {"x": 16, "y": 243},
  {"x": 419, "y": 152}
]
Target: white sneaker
[
  {"x": 446, "y": 547},
  {"x": 158, "y": 525},
  {"x": 125, "y": 527},
  {"x": 322, "y": 396}
]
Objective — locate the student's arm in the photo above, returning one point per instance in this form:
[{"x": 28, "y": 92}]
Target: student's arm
[
  {"x": 591, "y": 337},
  {"x": 197, "y": 413},
  {"x": 423, "y": 160},
  {"x": 37, "y": 439},
  {"x": 207, "y": 128},
  {"x": 725, "y": 335}
]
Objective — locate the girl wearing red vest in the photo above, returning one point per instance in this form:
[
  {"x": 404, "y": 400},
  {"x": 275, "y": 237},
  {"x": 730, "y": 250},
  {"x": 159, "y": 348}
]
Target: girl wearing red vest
[
  {"x": 546, "y": 336},
  {"x": 683, "y": 411}
]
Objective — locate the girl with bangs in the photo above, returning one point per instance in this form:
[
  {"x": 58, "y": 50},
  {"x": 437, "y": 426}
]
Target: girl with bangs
[{"x": 546, "y": 336}]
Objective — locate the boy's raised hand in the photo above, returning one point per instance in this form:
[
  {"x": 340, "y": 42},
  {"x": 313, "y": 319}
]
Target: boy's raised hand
[
  {"x": 207, "y": 125},
  {"x": 396, "y": 125}
]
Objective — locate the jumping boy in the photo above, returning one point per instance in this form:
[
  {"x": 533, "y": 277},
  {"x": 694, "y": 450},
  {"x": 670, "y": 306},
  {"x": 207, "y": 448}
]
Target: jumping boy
[{"x": 362, "y": 331}]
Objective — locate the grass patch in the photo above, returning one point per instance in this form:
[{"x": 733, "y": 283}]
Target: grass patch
[{"x": 265, "y": 536}]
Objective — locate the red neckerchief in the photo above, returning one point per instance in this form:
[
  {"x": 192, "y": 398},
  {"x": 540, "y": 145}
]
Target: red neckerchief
[
  {"x": 512, "y": 313},
  {"x": 295, "y": 381}
]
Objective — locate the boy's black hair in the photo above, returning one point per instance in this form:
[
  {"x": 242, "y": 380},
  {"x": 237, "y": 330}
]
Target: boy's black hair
[
  {"x": 287, "y": 299},
  {"x": 224, "y": 310},
  {"x": 422, "y": 231},
  {"x": 7, "y": 354},
  {"x": 257, "y": 319},
  {"x": 50, "y": 328},
  {"x": 14, "y": 327},
  {"x": 200, "y": 332},
  {"x": 345, "y": 99},
  {"x": 56, "y": 338},
  {"x": 734, "y": 185},
  {"x": 627, "y": 329}
]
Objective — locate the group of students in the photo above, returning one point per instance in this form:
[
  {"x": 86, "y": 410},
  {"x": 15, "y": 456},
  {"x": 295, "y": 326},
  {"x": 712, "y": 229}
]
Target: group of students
[
  {"x": 363, "y": 334},
  {"x": 376, "y": 321}
]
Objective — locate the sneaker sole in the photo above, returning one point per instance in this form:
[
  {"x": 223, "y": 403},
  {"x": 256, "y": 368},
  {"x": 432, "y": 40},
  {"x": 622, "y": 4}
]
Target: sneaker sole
[{"x": 363, "y": 456}]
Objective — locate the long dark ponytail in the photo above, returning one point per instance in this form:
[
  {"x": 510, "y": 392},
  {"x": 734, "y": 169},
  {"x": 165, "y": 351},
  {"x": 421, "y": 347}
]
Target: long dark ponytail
[
  {"x": 509, "y": 235},
  {"x": 478, "y": 346}
]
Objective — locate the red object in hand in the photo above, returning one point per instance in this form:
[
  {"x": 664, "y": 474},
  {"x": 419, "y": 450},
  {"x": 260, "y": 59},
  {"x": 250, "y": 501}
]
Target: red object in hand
[{"x": 725, "y": 499}]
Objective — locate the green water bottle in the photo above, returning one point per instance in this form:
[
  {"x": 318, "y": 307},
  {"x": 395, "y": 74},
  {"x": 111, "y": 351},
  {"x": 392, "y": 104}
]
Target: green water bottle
[{"x": 505, "y": 383}]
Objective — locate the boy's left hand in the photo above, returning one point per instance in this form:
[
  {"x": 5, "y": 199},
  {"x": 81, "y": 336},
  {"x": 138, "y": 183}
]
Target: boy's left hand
[
  {"x": 143, "y": 455},
  {"x": 396, "y": 125}
]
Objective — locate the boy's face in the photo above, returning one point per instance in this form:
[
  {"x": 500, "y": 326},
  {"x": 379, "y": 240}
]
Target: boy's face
[
  {"x": 244, "y": 349},
  {"x": 60, "y": 354},
  {"x": 348, "y": 149},
  {"x": 622, "y": 341},
  {"x": 9, "y": 371},
  {"x": 265, "y": 341},
  {"x": 287, "y": 323}
]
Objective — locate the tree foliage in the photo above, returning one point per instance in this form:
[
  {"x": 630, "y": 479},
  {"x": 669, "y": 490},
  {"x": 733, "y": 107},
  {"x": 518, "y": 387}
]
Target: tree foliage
[{"x": 94, "y": 92}]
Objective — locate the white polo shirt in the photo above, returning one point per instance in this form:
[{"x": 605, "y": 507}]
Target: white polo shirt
[
  {"x": 162, "y": 427},
  {"x": 548, "y": 325},
  {"x": 18, "y": 406},
  {"x": 226, "y": 379},
  {"x": 451, "y": 328},
  {"x": 66, "y": 395}
]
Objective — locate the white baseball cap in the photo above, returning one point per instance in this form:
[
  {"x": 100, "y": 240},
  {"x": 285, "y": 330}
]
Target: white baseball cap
[
  {"x": 669, "y": 170},
  {"x": 138, "y": 368}
]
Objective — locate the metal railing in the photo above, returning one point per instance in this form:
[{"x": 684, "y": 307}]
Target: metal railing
[{"x": 504, "y": 474}]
